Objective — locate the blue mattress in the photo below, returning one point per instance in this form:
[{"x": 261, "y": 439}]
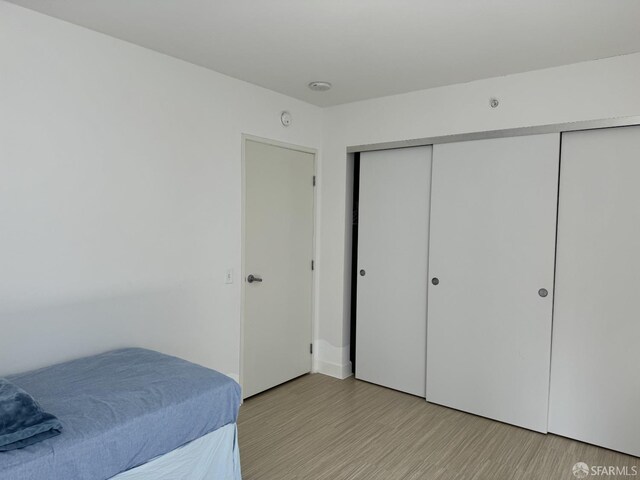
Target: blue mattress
[{"x": 119, "y": 410}]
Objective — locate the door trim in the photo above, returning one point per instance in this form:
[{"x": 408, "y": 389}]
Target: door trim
[
  {"x": 241, "y": 278},
  {"x": 507, "y": 132}
]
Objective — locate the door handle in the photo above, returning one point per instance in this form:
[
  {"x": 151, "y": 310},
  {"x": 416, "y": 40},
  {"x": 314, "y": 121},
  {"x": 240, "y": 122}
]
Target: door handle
[{"x": 252, "y": 278}]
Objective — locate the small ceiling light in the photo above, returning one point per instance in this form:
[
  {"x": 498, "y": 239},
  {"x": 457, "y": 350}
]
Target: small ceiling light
[{"x": 319, "y": 86}]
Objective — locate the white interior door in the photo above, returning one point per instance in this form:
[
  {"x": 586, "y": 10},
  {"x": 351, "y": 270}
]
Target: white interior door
[
  {"x": 278, "y": 253},
  {"x": 595, "y": 372},
  {"x": 393, "y": 229},
  {"x": 492, "y": 245}
]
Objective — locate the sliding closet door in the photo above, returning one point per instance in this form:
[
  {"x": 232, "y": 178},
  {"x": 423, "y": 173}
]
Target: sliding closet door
[
  {"x": 595, "y": 372},
  {"x": 491, "y": 259},
  {"x": 392, "y": 265}
]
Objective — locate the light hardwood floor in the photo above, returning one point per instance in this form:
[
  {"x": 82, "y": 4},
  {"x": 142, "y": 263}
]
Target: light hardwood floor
[{"x": 320, "y": 428}]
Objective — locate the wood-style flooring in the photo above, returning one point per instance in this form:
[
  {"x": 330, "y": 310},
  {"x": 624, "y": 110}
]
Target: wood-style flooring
[{"x": 321, "y": 428}]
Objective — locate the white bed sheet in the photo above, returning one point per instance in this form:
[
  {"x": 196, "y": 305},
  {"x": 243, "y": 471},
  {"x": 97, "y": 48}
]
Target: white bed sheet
[{"x": 214, "y": 456}]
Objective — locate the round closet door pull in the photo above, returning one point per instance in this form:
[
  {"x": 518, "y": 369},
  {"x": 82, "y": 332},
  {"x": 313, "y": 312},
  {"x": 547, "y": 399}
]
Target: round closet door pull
[
  {"x": 362, "y": 273},
  {"x": 435, "y": 280},
  {"x": 543, "y": 292}
]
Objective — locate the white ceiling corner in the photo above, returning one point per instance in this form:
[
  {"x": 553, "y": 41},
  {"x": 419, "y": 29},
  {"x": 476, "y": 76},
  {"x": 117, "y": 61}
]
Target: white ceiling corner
[{"x": 365, "y": 48}]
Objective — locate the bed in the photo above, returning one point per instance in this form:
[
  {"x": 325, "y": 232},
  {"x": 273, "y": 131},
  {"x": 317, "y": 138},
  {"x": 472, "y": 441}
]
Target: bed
[{"x": 131, "y": 414}]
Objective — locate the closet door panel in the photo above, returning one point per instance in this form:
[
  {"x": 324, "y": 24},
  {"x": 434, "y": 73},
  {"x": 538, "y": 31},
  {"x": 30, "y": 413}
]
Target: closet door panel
[
  {"x": 595, "y": 374},
  {"x": 492, "y": 246},
  {"x": 392, "y": 253}
]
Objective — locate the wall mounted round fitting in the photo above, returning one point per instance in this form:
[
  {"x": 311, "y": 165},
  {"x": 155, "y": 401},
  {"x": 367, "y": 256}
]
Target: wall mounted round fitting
[
  {"x": 285, "y": 118},
  {"x": 319, "y": 86},
  {"x": 494, "y": 102}
]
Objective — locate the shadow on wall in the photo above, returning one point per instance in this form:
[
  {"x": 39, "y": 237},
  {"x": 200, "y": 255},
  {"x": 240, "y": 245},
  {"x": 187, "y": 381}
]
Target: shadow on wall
[{"x": 173, "y": 320}]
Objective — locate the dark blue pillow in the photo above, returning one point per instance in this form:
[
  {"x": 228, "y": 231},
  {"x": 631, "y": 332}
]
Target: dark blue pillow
[{"x": 22, "y": 421}]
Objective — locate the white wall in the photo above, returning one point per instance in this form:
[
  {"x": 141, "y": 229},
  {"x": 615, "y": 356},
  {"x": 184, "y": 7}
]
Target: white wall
[
  {"x": 120, "y": 185},
  {"x": 120, "y": 195},
  {"x": 584, "y": 91}
]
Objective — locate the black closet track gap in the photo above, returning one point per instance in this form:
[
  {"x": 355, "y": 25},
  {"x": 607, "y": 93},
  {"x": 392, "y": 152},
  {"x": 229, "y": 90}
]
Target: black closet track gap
[{"x": 354, "y": 258}]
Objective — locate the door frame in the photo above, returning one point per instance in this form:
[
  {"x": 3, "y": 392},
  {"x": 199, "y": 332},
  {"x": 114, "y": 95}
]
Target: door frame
[
  {"x": 609, "y": 122},
  {"x": 243, "y": 272}
]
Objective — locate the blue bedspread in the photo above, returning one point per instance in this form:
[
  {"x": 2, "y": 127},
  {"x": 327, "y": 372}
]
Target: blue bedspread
[{"x": 119, "y": 410}]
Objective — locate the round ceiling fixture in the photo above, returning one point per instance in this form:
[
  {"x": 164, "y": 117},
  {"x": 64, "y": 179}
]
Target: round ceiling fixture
[{"x": 319, "y": 86}]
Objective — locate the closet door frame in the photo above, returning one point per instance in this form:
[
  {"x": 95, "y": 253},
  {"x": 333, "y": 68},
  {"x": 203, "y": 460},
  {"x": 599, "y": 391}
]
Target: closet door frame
[{"x": 507, "y": 132}]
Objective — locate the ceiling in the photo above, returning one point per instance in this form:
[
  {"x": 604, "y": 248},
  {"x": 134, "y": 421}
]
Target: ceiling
[{"x": 366, "y": 48}]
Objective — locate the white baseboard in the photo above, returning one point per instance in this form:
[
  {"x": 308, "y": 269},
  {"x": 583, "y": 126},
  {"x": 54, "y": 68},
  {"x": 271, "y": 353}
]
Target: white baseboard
[{"x": 334, "y": 369}]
